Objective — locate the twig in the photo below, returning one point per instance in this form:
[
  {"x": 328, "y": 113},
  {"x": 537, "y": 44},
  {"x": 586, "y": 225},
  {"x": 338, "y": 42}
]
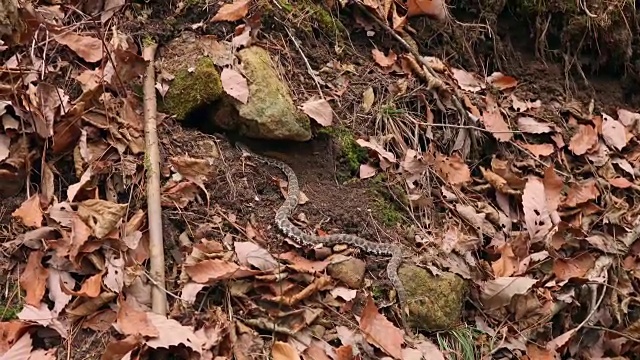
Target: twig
[
  {"x": 154, "y": 208},
  {"x": 306, "y": 62}
]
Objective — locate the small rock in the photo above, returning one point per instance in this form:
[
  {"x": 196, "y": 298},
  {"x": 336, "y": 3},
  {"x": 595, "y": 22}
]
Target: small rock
[
  {"x": 435, "y": 302},
  {"x": 349, "y": 270}
]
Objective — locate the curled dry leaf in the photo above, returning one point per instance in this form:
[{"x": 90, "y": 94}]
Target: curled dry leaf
[
  {"x": 536, "y": 210},
  {"x": 583, "y": 140},
  {"x": 375, "y": 146},
  {"x": 381, "y": 332},
  {"x": 319, "y": 110},
  {"x": 235, "y": 85},
  {"x": 34, "y": 279},
  {"x": 90, "y": 287},
  {"x": 232, "y": 12},
  {"x": 367, "y": 101}
]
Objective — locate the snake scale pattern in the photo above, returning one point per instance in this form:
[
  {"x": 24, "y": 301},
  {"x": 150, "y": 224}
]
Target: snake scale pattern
[{"x": 289, "y": 229}]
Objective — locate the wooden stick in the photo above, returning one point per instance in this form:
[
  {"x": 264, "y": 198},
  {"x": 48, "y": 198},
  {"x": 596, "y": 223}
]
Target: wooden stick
[{"x": 154, "y": 208}]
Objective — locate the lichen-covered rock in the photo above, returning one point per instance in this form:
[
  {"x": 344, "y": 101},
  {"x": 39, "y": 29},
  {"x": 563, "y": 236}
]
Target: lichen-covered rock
[
  {"x": 434, "y": 302},
  {"x": 196, "y": 80},
  {"x": 270, "y": 112}
]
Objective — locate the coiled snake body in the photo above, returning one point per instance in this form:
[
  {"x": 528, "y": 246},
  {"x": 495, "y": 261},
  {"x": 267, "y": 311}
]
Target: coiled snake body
[{"x": 289, "y": 229}]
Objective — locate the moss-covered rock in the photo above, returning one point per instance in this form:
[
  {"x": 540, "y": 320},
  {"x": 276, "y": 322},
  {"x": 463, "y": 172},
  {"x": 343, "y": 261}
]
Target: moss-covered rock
[
  {"x": 314, "y": 15},
  {"x": 191, "y": 89},
  {"x": 434, "y": 302},
  {"x": 270, "y": 112},
  {"x": 196, "y": 80},
  {"x": 351, "y": 154}
]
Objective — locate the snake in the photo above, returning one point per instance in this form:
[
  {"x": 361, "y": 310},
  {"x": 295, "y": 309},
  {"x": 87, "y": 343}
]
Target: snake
[{"x": 289, "y": 229}]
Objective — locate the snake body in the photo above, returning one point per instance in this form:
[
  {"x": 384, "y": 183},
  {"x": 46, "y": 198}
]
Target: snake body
[{"x": 288, "y": 228}]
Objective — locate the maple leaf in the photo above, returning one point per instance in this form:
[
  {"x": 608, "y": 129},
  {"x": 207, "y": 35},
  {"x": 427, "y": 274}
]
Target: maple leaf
[
  {"x": 232, "y": 12},
  {"x": 87, "y": 47},
  {"x": 34, "y": 278},
  {"x": 498, "y": 292},
  {"x": 235, "y": 85},
  {"x": 536, "y": 210},
  {"x": 319, "y": 110},
  {"x": 379, "y": 331}
]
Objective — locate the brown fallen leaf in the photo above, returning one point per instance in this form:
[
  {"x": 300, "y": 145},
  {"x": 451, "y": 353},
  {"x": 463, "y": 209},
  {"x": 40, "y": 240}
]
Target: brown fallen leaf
[
  {"x": 498, "y": 292},
  {"x": 172, "y": 333},
  {"x": 628, "y": 118},
  {"x": 375, "y": 145},
  {"x": 232, "y": 12},
  {"x": 10, "y": 332},
  {"x": 20, "y": 350},
  {"x": 581, "y": 192},
  {"x": 536, "y": 210},
  {"x": 466, "y": 80},
  {"x": 319, "y": 110},
  {"x": 117, "y": 349},
  {"x": 90, "y": 287},
  {"x": 383, "y": 60},
  {"x": 453, "y": 169},
  {"x": 379, "y": 331},
  {"x": 54, "y": 283},
  {"x": 494, "y": 121},
  {"x": 30, "y": 212},
  {"x": 620, "y": 183},
  {"x": 553, "y": 185},
  {"x": 538, "y": 150},
  {"x": 284, "y": 351},
  {"x": 583, "y": 140},
  {"x": 502, "y": 81},
  {"x": 132, "y": 320},
  {"x": 303, "y": 264},
  {"x": 250, "y": 253},
  {"x": 367, "y": 171},
  {"x": 614, "y": 133},
  {"x": 507, "y": 264},
  {"x": 100, "y": 321},
  {"x": 101, "y": 215},
  {"x": 217, "y": 269},
  {"x": 436, "y": 9},
  {"x": 87, "y": 47},
  {"x": 532, "y": 126},
  {"x": 576, "y": 267},
  {"x": 235, "y": 85},
  {"x": 34, "y": 278}
]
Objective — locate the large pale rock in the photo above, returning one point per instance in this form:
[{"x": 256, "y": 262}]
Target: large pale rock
[
  {"x": 270, "y": 112},
  {"x": 434, "y": 302}
]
